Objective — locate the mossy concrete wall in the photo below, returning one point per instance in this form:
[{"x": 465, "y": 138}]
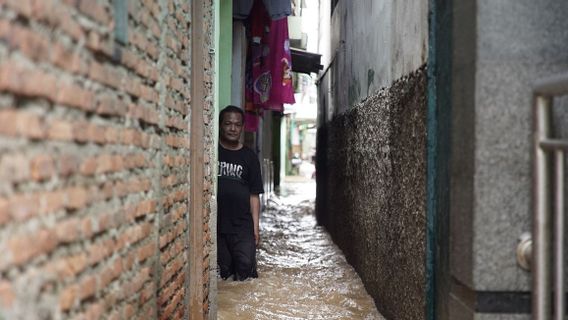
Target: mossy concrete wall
[
  {"x": 371, "y": 145},
  {"x": 372, "y": 176}
]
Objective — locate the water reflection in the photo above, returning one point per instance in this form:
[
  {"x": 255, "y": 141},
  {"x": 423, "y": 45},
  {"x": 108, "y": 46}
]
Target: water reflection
[{"x": 302, "y": 274}]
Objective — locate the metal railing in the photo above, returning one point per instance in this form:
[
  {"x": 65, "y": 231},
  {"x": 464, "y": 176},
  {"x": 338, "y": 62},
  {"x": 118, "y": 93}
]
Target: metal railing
[
  {"x": 548, "y": 202},
  {"x": 268, "y": 180}
]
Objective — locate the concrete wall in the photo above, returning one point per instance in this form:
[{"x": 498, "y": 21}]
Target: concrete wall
[
  {"x": 376, "y": 43},
  {"x": 94, "y": 159},
  {"x": 498, "y": 54},
  {"x": 371, "y": 150}
]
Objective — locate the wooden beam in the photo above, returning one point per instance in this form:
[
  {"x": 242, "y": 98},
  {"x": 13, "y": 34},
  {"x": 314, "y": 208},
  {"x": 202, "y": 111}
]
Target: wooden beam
[{"x": 196, "y": 203}]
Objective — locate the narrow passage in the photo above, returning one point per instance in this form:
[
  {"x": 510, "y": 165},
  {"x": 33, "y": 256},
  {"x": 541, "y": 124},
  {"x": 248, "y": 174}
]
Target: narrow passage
[{"x": 302, "y": 274}]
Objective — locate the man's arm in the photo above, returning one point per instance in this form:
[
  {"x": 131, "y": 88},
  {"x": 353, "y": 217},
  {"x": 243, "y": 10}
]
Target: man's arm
[{"x": 255, "y": 211}]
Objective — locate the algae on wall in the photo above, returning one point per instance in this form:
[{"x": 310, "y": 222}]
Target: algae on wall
[{"x": 375, "y": 193}]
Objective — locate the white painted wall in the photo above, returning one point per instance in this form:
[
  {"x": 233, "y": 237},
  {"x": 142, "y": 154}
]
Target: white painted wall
[{"x": 372, "y": 44}]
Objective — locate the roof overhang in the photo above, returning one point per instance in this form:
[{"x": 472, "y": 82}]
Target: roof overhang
[{"x": 305, "y": 62}]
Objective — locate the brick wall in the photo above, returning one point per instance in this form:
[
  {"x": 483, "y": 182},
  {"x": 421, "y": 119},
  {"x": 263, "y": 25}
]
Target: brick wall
[{"x": 94, "y": 159}]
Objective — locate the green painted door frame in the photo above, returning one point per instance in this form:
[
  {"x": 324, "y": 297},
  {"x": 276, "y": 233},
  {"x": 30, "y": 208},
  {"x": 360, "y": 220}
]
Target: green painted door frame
[
  {"x": 225, "y": 52},
  {"x": 438, "y": 159}
]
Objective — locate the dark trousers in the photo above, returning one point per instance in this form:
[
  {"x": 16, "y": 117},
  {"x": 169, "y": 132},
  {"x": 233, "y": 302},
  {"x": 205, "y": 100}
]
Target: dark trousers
[{"x": 236, "y": 255}]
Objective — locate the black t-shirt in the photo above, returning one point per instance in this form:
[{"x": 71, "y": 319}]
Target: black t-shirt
[{"x": 238, "y": 177}]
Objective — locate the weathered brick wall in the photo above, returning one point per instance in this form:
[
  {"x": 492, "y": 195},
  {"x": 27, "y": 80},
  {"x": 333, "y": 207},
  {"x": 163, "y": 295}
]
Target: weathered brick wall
[{"x": 94, "y": 160}]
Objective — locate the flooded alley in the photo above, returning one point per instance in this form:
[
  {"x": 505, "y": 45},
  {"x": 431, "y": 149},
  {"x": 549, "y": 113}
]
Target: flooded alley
[{"x": 302, "y": 274}]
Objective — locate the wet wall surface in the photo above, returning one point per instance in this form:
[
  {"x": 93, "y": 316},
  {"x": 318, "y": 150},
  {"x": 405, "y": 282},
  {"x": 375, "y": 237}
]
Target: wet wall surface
[{"x": 374, "y": 192}]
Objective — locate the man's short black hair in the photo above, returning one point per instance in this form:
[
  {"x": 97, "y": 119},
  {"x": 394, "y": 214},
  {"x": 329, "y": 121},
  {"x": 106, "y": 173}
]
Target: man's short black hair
[{"x": 231, "y": 109}]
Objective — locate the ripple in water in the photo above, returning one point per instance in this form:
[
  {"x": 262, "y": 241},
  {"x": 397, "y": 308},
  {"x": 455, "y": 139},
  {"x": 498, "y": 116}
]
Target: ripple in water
[{"x": 302, "y": 274}]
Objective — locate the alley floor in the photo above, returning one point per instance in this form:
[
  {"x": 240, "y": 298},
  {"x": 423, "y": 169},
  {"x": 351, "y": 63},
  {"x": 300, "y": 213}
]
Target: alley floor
[{"x": 302, "y": 274}]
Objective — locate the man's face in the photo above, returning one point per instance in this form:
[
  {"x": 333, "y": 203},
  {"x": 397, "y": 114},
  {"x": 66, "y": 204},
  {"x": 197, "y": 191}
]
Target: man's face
[{"x": 231, "y": 127}]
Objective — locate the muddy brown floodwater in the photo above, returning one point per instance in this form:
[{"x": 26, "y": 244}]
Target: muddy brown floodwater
[{"x": 302, "y": 274}]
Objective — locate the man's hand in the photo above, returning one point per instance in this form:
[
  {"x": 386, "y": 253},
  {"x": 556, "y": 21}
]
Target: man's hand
[
  {"x": 255, "y": 211},
  {"x": 256, "y": 237}
]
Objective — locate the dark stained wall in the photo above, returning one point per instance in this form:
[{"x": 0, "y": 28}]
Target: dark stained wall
[{"x": 372, "y": 190}]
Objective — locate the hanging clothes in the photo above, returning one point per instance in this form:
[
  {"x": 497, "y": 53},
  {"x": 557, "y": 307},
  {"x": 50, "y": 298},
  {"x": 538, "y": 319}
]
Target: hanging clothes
[
  {"x": 280, "y": 56},
  {"x": 252, "y": 121},
  {"x": 277, "y": 9},
  {"x": 268, "y": 61},
  {"x": 242, "y": 8}
]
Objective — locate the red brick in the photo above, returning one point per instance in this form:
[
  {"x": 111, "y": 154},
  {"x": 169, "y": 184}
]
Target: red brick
[
  {"x": 101, "y": 250},
  {"x": 105, "y": 75},
  {"x": 4, "y": 211},
  {"x": 42, "y": 167},
  {"x": 152, "y": 50},
  {"x": 153, "y": 7},
  {"x": 96, "y": 11},
  {"x": 87, "y": 228},
  {"x": 94, "y": 311},
  {"x": 148, "y": 93},
  {"x": 70, "y": 26},
  {"x": 96, "y": 133},
  {"x": 178, "y": 85},
  {"x": 173, "y": 287},
  {"x": 30, "y": 44},
  {"x": 74, "y": 96},
  {"x": 146, "y": 251},
  {"x": 7, "y": 295},
  {"x": 136, "y": 283},
  {"x": 26, "y": 81},
  {"x": 109, "y": 105},
  {"x": 68, "y": 266},
  {"x": 21, "y": 123},
  {"x": 67, "y": 297},
  {"x": 129, "y": 261},
  {"x": 24, "y": 206},
  {"x": 170, "y": 270},
  {"x": 14, "y": 167},
  {"x": 172, "y": 305},
  {"x": 97, "y": 44},
  {"x": 115, "y": 315},
  {"x": 67, "y": 59},
  {"x": 68, "y": 230},
  {"x": 68, "y": 165},
  {"x": 22, "y": 7},
  {"x": 169, "y": 181},
  {"x": 112, "y": 135},
  {"x": 146, "y": 207},
  {"x": 77, "y": 197},
  {"x": 88, "y": 287},
  {"x": 89, "y": 166},
  {"x": 128, "y": 311},
  {"x": 52, "y": 201},
  {"x": 45, "y": 11},
  {"x": 105, "y": 163},
  {"x": 133, "y": 86},
  {"x": 76, "y": 264},
  {"x": 26, "y": 246},
  {"x": 147, "y": 293},
  {"x": 60, "y": 130}
]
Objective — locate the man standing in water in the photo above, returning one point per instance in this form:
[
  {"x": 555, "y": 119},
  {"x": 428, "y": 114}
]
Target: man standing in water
[{"x": 238, "y": 202}]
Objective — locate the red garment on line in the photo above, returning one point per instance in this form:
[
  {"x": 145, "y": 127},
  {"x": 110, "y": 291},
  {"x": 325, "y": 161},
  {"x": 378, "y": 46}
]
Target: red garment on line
[{"x": 269, "y": 83}]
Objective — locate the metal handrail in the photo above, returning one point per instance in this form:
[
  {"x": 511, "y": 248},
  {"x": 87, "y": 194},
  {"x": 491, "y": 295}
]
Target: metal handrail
[
  {"x": 548, "y": 202},
  {"x": 268, "y": 180}
]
